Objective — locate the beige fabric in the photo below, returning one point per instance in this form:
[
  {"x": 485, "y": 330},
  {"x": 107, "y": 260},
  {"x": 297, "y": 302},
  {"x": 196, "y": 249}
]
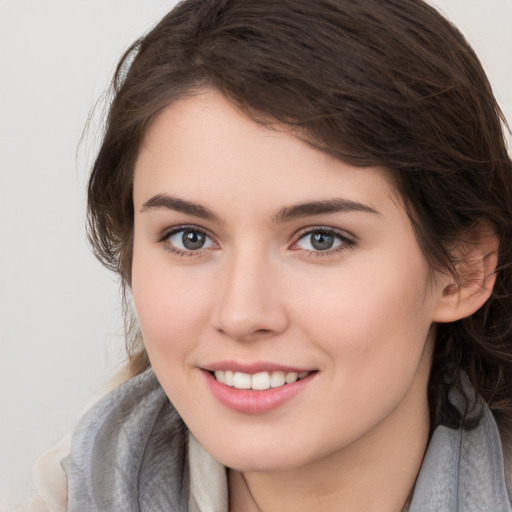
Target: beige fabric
[
  {"x": 49, "y": 478},
  {"x": 208, "y": 480}
]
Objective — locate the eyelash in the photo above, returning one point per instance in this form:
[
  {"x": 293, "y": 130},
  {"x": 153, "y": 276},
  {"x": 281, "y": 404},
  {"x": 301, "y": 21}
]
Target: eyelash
[
  {"x": 168, "y": 233},
  {"x": 346, "y": 241}
]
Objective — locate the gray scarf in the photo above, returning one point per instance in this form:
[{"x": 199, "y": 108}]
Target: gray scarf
[{"x": 130, "y": 451}]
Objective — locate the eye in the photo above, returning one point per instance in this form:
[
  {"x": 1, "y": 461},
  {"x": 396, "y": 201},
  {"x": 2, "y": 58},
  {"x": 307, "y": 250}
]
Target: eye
[
  {"x": 186, "y": 240},
  {"x": 323, "y": 240}
]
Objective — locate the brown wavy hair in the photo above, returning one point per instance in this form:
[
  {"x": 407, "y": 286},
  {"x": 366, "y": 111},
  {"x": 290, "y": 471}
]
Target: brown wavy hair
[{"x": 391, "y": 84}]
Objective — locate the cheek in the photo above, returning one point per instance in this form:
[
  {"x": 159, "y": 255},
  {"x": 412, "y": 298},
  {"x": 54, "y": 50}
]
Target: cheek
[
  {"x": 377, "y": 316},
  {"x": 171, "y": 307}
]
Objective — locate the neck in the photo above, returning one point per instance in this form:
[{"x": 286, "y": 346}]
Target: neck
[{"x": 376, "y": 473}]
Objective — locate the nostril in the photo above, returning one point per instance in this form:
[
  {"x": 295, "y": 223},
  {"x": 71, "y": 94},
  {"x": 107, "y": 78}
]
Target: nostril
[
  {"x": 249, "y": 335},
  {"x": 263, "y": 332}
]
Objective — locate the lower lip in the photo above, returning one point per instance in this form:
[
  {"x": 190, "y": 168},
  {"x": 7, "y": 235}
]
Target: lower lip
[{"x": 255, "y": 402}]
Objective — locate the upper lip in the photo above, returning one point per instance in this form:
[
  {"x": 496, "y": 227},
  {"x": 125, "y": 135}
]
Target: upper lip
[{"x": 253, "y": 367}]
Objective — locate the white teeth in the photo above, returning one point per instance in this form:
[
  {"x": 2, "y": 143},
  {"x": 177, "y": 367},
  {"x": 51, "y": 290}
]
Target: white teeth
[
  {"x": 291, "y": 377},
  {"x": 229, "y": 378},
  {"x": 242, "y": 380},
  {"x": 259, "y": 381},
  {"x": 277, "y": 379}
]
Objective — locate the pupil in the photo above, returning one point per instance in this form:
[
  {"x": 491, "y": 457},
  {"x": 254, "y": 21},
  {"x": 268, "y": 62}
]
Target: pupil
[
  {"x": 193, "y": 240},
  {"x": 322, "y": 241}
]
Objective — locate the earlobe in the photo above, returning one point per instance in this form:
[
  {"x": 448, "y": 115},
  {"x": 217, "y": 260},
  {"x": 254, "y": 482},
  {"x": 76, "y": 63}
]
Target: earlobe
[{"x": 467, "y": 291}]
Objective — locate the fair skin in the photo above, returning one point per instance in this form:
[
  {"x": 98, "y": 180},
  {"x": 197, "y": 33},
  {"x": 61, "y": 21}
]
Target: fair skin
[{"x": 227, "y": 274}]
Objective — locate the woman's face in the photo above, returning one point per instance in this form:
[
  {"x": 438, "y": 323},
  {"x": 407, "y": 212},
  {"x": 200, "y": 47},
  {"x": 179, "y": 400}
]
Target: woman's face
[{"x": 266, "y": 260}]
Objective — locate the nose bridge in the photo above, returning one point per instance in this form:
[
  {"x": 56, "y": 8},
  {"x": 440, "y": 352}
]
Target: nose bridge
[{"x": 249, "y": 302}]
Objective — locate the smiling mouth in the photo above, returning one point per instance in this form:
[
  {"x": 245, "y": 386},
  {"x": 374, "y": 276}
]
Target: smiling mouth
[{"x": 257, "y": 381}]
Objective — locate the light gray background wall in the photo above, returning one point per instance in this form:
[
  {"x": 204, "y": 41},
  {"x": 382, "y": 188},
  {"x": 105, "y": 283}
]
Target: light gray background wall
[{"x": 60, "y": 328}]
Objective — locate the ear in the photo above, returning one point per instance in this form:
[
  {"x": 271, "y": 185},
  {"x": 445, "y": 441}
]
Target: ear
[{"x": 476, "y": 258}]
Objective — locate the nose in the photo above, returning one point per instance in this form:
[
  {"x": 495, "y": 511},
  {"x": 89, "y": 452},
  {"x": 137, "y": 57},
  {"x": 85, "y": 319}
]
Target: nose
[{"x": 250, "y": 304}]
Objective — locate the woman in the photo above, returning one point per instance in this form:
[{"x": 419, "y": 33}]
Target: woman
[{"x": 310, "y": 203}]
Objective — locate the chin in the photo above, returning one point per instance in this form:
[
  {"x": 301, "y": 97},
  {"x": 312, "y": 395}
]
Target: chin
[
  {"x": 259, "y": 464},
  {"x": 260, "y": 455}
]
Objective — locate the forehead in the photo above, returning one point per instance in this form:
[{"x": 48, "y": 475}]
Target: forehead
[{"x": 203, "y": 143}]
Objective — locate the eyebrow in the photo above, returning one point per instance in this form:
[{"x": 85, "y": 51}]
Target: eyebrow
[
  {"x": 163, "y": 201},
  {"x": 290, "y": 213},
  {"x": 287, "y": 214}
]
